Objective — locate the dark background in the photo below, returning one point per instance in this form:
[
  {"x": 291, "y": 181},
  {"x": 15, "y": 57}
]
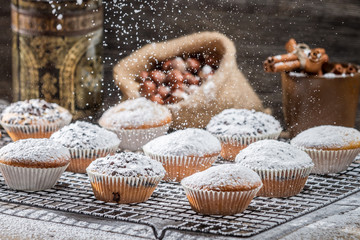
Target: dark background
[{"x": 259, "y": 28}]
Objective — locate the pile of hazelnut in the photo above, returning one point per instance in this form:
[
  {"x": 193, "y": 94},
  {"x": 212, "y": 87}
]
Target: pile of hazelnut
[{"x": 173, "y": 80}]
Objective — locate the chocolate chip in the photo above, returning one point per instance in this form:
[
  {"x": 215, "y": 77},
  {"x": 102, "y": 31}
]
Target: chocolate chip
[{"x": 116, "y": 197}]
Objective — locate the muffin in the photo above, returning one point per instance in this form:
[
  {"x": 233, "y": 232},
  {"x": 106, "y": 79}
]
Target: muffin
[
  {"x": 86, "y": 142},
  {"x": 237, "y": 128},
  {"x": 124, "y": 177},
  {"x": 282, "y": 168},
  {"x": 33, "y": 164},
  {"x": 184, "y": 152},
  {"x": 33, "y": 118},
  {"x": 332, "y": 148},
  {"x": 222, "y": 190},
  {"x": 136, "y": 122}
]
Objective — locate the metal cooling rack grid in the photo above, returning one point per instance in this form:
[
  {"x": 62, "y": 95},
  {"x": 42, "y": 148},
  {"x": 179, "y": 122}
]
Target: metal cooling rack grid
[{"x": 168, "y": 207}]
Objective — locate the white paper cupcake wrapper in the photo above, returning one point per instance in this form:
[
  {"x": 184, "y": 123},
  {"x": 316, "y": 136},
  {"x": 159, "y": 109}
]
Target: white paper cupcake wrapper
[
  {"x": 179, "y": 167},
  {"x": 331, "y": 161},
  {"x": 36, "y": 131},
  {"x": 31, "y": 179},
  {"x": 232, "y": 145},
  {"x": 78, "y": 157},
  {"x": 219, "y": 202},
  {"x": 134, "y": 139},
  {"x": 123, "y": 189},
  {"x": 283, "y": 182},
  {"x": 244, "y": 141}
]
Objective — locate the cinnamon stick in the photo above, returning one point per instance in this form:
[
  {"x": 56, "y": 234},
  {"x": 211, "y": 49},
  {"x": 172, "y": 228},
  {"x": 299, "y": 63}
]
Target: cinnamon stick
[
  {"x": 282, "y": 58},
  {"x": 290, "y": 45},
  {"x": 286, "y": 66}
]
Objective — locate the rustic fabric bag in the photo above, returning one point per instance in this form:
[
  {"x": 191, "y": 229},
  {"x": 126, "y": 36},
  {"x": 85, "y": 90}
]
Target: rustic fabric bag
[{"x": 228, "y": 88}]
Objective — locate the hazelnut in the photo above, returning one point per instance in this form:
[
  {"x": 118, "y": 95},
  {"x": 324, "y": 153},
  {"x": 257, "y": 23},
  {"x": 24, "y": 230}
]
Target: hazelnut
[
  {"x": 174, "y": 76},
  {"x": 157, "y": 76},
  {"x": 166, "y": 66},
  {"x": 164, "y": 91},
  {"x": 175, "y": 97},
  {"x": 142, "y": 77},
  {"x": 192, "y": 65},
  {"x": 191, "y": 79},
  {"x": 177, "y": 85},
  {"x": 148, "y": 88},
  {"x": 179, "y": 64},
  {"x": 157, "y": 98}
]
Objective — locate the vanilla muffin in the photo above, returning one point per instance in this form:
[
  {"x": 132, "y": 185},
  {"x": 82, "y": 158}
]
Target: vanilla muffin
[
  {"x": 184, "y": 152},
  {"x": 33, "y": 118},
  {"x": 282, "y": 168},
  {"x": 237, "y": 128},
  {"x": 86, "y": 142},
  {"x": 332, "y": 148},
  {"x": 136, "y": 122},
  {"x": 33, "y": 164},
  {"x": 124, "y": 177},
  {"x": 222, "y": 190}
]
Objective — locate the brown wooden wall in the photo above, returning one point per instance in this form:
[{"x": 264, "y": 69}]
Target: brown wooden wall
[{"x": 259, "y": 28}]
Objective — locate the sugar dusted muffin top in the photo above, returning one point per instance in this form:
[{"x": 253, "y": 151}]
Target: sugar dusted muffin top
[
  {"x": 328, "y": 137},
  {"x": 188, "y": 142},
  {"x": 226, "y": 177},
  {"x": 84, "y": 135},
  {"x": 35, "y": 153},
  {"x": 243, "y": 123},
  {"x": 34, "y": 112},
  {"x": 127, "y": 164},
  {"x": 272, "y": 154},
  {"x": 138, "y": 113}
]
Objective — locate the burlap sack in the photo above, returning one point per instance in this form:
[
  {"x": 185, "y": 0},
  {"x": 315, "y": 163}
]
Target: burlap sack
[{"x": 228, "y": 88}]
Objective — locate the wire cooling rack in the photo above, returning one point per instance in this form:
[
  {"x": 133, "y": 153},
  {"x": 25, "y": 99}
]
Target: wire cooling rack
[{"x": 168, "y": 207}]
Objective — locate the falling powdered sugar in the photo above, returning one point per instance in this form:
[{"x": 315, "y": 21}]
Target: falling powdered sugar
[
  {"x": 226, "y": 177},
  {"x": 243, "y": 123},
  {"x": 127, "y": 164},
  {"x": 328, "y": 137},
  {"x": 134, "y": 113},
  {"x": 272, "y": 154},
  {"x": 188, "y": 142},
  {"x": 84, "y": 135}
]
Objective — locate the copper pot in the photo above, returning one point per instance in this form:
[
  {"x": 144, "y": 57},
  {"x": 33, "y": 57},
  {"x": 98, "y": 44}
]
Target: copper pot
[{"x": 310, "y": 101}]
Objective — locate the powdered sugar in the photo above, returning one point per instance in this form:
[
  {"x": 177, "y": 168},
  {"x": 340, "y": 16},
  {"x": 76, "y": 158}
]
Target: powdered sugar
[
  {"x": 188, "y": 142},
  {"x": 31, "y": 150},
  {"x": 328, "y": 137},
  {"x": 84, "y": 135},
  {"x": 222, "y": 176},
  {"x": 127, "y": 164},
  {"x": 34, "y": 111},
  {"x": 243, "y": 123},
  {"x": 134, "y": 113},
  {"x": 272, "y": 154}
]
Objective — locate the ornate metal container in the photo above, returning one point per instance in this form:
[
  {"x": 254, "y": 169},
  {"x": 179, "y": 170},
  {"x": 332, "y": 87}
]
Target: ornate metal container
[{"x": 56, "y": 53}]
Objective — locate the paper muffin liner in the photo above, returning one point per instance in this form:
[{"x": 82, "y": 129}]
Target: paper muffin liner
[
  {"x": 123, "y": 189},
  {"x": 210, "y": 202},
  {"x": 179, "y": 167},
  {"x": 31, "y": 179},
  {"x": 331, "y": 161},
  {"x": 134, "y": 139},
  {"x": 232, "y": 145},
  {"x": 81, "y": 158},
  {"x": 282, "y": 182},
  {"x": 17, "y": 131}
]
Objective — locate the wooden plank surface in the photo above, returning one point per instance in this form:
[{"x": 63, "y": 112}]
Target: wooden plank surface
[{"x": 259, "y": 28}]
